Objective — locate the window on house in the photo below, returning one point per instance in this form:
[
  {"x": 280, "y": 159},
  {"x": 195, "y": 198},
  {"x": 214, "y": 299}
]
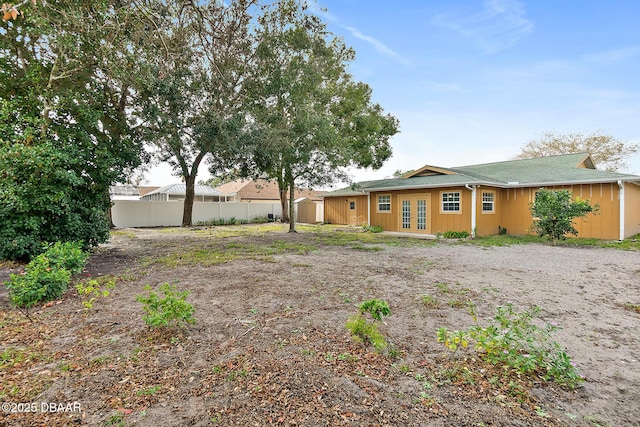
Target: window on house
[
  {"x": 384, "y": 203},
  {"x": 451, "y": 202},
  {"x": 488, "y": 202},
  {"x": 352, "y": 205}
]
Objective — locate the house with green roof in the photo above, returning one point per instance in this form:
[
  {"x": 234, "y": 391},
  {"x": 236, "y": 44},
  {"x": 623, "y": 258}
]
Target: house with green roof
[{"x": 484, "y": 198}]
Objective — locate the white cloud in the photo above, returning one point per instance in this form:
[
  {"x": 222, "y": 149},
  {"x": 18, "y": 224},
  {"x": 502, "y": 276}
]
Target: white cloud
[
  {"x": 613, "y": 55},
  {"x": 377, "y": 44},
  {"x": 499, "y": 26}
]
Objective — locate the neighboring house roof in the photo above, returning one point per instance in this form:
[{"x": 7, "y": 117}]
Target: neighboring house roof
[
  {"x": 146, "y": 189},
  {"x": 124, "y": 190},
  {"x": 262, "y": 189},
  {"x": 181, "y": 190},
  {"x": 552, "y": 170}
]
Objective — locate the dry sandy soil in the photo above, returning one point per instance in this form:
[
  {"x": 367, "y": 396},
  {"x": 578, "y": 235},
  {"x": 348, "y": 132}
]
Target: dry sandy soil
[{"x": 270, "y": 346}]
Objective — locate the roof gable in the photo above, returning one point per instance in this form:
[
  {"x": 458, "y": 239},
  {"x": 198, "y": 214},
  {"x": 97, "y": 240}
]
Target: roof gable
[{"x": 428, "y": 170}]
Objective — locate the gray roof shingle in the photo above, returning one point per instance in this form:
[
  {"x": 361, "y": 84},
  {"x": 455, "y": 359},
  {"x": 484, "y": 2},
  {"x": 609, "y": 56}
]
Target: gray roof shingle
[{"x": 551, "y": 170}]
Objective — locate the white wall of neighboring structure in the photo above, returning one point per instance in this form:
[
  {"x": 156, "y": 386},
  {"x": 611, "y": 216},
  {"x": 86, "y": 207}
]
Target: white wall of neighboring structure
[{"x": 130, "y": 213}]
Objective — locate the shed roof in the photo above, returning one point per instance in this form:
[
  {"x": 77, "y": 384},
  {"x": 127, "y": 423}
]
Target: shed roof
[
  {"x": 552, "y": 170},
  {"x": 181, "y": 190}
]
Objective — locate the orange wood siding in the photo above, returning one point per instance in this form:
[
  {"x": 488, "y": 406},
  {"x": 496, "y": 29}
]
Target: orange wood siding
[
  {"x": 631, "y": 209},
  {"x": 389, "y": 221},
  {"x": 440, "y": 222},
  {"x": 337, "y": 210},
  {"x": 487, "y": 222},
  {"x": 603, "y": 225},
  {"x": 511, "y": 210}
]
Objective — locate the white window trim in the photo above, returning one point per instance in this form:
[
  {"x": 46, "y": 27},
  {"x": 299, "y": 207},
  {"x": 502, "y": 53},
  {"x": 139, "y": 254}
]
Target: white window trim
[
  {"x": 378, "y": 210},
  {"x": 493, "y": 202},
  {"x": 459, "y": 202}
]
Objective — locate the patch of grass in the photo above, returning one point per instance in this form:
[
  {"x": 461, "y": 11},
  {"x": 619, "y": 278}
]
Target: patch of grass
[
  {"x": 443, "y": 287},
  {"x": 456, "y": 303},
  {"x": 429, "y": 301},
  {"x": 149, "y": 391},
  {"x": 11, "y": 356},
  {"x": 210, "y": 256},
  {"x": 630, "y": 244},
  {"x": 361, "y": 247},
  {"x": 595, "y": 421},
  {"x": 505, "y": 240},
  {"x": 124, "y": 233},
  {"x": 348, "y": 237},
  {"x": 630, "y": 307}
]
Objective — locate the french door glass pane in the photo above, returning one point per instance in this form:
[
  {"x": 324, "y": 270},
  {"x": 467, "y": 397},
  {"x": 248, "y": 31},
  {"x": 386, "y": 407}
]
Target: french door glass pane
[
  {"x": 406, "y": 214},
  {"x": 422, "y": 214}
]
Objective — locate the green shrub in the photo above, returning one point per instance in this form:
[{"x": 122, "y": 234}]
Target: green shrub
[
  {"x": 47, "y": 276},
  {"x": 455, "y": 234},
  {"x": 363, "y": 330},
  {"x": 514, "y": 340},
  {"x": 554, "y": 212},
  {"x": 170, "y": 310},
  {"x": 372, "y": 228},
  {"x": 67, "y": 255}
]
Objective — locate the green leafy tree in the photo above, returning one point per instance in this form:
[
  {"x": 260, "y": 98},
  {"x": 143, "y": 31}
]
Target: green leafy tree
[
  {"x": 555, "y": 211},
  {"x": 310, "y": 120},
  {"x": 606, "y": 151},
  {"x": 66, "y": 131},
  {"x": 194, "y": 94}
]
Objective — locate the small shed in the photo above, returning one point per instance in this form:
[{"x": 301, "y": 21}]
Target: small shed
[{"x": 306, "y": 210}]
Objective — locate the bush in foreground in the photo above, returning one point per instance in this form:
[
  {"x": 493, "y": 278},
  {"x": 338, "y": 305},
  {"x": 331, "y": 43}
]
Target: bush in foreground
[{"x": 47, "y": 276}]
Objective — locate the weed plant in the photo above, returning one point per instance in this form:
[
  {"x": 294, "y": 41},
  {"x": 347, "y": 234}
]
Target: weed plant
[
  {"x": 169, "y": 310},
  {"x": 364, "y": 330},
  {"x": 514, "y": 340}
]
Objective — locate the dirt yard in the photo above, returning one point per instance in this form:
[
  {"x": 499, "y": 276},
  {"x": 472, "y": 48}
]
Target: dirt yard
[{"x": 270, "y": 347}]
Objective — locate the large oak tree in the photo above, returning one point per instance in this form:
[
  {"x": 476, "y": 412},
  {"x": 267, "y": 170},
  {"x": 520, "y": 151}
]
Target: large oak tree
[
  {"x": 194, "y": 97},
  {"x": 312, "y": 120}
]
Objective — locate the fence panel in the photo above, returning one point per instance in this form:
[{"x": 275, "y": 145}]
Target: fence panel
[{"x": 135, "y": 213}]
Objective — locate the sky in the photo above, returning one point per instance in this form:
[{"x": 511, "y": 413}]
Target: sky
[{"x": 472, "y": 81}]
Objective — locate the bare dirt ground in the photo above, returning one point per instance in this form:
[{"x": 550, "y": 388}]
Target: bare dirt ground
[{"x": 270, "y": 346}]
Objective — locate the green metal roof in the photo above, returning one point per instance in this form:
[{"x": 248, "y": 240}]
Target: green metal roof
[{"x": 551, "y": 170}]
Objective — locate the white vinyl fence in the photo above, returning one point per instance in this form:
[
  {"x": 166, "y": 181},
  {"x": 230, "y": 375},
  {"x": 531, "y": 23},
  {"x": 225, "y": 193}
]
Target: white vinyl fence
[{"x": 135, "y": 213}]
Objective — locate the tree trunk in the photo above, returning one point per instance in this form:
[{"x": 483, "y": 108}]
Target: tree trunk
[
  {"x": 292, "y": 210},
  {"x": 283, "y": 203},
  {"x": 187, "y": 214}
]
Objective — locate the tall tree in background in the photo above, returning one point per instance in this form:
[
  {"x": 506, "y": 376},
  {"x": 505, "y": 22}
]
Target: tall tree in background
[
  {"x": 194, "y": 96},
  {"x": 65, "y": 127},
  {"x": 607, "y": 152},
  {"x": 311, "y": 121}
]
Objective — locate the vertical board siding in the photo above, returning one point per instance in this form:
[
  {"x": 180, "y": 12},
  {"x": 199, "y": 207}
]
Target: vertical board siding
[
  {"x": 631, "y": 210},
  {"x": 336, "y": 210},
  {"x": 512, "y": 210}
]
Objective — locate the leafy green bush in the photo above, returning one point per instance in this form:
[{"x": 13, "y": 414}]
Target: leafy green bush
[
  {"x": 47, "y": 276},
  {"x": 455, "y": 234},
  {"x": 514, "y": 340},
  {"x": 372, "y": 228},
  {"x": 171, "y": 310},
  {"x": 45, "y": 197},
  {"x": 67, "y": 255},
  {"x": 363, "y": 330},
  {"x": 554, "y": 212}
]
